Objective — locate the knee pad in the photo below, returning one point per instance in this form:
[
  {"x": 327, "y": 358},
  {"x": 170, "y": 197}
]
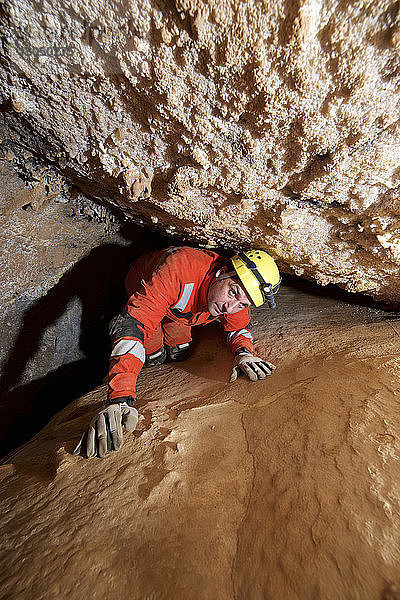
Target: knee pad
[
  {"x": 180, "y": 352},
  {"x": 123, "y": 325}
]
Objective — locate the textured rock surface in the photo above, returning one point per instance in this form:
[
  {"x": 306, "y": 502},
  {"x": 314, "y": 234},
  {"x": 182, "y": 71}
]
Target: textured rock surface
[
  {"x": 235, "y": 123},
  {"x": 63, "y": 260},
  {"x": 284, "y": 489}
]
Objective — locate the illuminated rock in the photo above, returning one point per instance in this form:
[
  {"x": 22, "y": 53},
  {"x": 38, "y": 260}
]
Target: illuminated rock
[{"x": 241, "y": 123}]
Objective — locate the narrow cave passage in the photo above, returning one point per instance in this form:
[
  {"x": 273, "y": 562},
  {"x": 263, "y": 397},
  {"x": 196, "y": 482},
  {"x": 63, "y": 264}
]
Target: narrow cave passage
[
  {"x": 64, "y": 264},
  {"x": 297, "y": 472},
  {"x": 63, "y": 279}
]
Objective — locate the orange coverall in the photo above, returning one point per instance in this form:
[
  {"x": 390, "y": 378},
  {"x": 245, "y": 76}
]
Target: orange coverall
[{"x": 167, "y": 295}]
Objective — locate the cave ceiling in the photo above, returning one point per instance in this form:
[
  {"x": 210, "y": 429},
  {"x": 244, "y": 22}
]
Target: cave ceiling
[{"x": 273, "y": 123}]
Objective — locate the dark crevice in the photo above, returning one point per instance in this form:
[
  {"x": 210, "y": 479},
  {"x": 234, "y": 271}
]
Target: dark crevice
[{"x": 96, "y": 285}]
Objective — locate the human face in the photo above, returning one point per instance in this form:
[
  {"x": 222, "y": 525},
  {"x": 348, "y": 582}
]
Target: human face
[{"x": 226, "y": 296}]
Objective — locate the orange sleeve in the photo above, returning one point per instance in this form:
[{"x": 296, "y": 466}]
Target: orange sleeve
[
  {"x": 238, "y": 328},
  {"x": 144, "y": 311},
  {"x": 122, "y": 377}
]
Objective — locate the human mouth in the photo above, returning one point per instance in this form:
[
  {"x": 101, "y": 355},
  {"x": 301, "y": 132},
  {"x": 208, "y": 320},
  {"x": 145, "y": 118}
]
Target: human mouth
[{"x": 220, "y": 309}]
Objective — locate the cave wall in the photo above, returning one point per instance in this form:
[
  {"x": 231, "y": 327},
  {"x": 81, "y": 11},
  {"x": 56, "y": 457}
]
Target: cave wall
[
  {"x": 231, "y": 123},
  {"x": 63, "y": 259}
]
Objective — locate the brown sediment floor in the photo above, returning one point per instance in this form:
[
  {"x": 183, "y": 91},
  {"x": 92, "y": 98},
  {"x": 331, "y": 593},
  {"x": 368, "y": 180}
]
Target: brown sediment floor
[{"x": 287, "y": 488}]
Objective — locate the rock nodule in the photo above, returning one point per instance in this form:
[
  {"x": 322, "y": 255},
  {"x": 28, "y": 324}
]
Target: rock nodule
[{"x": 234, "y": 124}]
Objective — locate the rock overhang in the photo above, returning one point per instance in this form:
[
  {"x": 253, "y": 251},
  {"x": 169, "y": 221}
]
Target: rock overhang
[{"x": 235, "y": 125}]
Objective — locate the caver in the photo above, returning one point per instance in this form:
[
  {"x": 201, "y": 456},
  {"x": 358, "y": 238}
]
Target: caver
[{"x": 170, "y": 291}]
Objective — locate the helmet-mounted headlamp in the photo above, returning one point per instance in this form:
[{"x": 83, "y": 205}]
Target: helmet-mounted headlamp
[{"x": 267, "y": 289}]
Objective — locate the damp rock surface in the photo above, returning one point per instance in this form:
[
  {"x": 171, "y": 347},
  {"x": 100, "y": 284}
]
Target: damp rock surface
[
  {"x": 273, "y": 124},
  {"x": 286, "y": 488}
]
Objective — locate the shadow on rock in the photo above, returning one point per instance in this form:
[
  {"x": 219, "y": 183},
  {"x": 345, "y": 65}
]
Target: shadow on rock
[{"x": 97, "y": 282}]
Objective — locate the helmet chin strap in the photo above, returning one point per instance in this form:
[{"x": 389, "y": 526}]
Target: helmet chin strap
[
  {"x": 266, "y": 288},
  {"x": 230, "y": 275}
]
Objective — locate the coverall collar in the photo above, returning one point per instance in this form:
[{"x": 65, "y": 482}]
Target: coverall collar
[{"x": 201, "y": 304}]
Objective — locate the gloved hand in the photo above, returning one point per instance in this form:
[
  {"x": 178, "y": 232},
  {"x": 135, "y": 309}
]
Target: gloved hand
[
  {"x": 253, "y": 366},
  {"x": 105, "y": 430}
]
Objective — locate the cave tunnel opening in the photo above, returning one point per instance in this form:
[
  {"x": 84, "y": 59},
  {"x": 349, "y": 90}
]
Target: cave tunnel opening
[
  {"x": 60, "y": 350},
  {"x": 61, "y": 289}
]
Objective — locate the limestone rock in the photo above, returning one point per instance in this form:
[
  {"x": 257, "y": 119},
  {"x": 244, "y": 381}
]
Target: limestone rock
[
  {"x": 286, "y": 488},
  {"x": 63, "y": 262},
  {"x": 268, "y": 123}
]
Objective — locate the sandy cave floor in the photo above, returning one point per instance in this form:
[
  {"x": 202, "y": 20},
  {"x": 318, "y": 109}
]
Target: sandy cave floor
[{"x": 287, "y": 488}]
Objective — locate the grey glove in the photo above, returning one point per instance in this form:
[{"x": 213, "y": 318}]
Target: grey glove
[
  {"x": 254, "y": 367},
  {"x": 105, "y": 430}
]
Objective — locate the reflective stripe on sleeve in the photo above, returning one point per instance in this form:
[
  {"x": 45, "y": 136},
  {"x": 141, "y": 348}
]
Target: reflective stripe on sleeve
[
  {"x": 244, "y": 332},
  {"x": 184, "y": 299},
  {"x": 133, "y": 347}
]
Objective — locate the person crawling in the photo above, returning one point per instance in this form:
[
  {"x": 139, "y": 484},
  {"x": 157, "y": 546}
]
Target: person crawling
[{"x": 169, "y": 292}]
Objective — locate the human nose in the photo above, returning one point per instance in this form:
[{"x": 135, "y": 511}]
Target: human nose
[{"x": 233, "y": 306}]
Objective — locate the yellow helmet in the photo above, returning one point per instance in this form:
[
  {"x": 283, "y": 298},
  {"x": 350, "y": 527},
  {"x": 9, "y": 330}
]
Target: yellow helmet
[{"x": 259, "y": 275}]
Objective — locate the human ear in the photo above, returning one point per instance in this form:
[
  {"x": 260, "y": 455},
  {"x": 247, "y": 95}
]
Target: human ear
[{"x": 220, "y": 272}]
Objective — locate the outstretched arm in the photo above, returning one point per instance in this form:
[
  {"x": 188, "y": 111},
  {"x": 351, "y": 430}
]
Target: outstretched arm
[
  {"x": 240, "y": 341},
  {"x": 144, "y": 311}
]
